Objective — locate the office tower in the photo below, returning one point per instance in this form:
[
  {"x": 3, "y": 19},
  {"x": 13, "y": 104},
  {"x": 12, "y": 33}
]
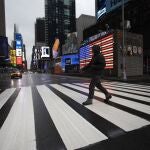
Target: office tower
[
  {"x": 40, "y": 31},
  {"x": 2, "y": 18},
  {"x": 59, "y": 20}
]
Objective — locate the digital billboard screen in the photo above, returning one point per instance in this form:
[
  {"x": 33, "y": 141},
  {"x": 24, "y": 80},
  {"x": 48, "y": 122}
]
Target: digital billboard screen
[
  {"x": 19, "y": 60},
  {"x": 101, "y": 8},
  {"x": 69, "y": 60},
  {"x": 45, "y": 52},
  {"x": 55, "y": 48},
  {"x": 106, "y": 6},
  {"x": 106, "y": 44}
]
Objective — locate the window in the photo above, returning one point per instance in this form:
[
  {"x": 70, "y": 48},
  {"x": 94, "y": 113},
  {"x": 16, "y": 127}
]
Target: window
[
  {"x": 66, "y": 2},
  {"x": 66, "y": 12}
]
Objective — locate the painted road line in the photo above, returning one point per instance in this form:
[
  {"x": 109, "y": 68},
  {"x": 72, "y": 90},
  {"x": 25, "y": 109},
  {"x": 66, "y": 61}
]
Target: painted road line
[{"x": 75, "y": 131}]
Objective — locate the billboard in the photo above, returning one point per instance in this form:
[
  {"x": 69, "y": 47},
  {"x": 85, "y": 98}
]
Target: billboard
[
  {"x": 18, "y": 52},
  {"x": 101, "y": 7},
  {"x": 3, "y": 47},
  {"x": 71, "y": 45},
  {"x": 19, "y": 60},
  {"x": 69, "y": 60},
  {"x": 55, "y": 48},
  {"x": 45, "y": 52},
  {"x": 19, "y": 43},
  {"x": 13, "y": 57},
  {"x": 106, "y": 44},
  {"x": 106, "y": 6}
]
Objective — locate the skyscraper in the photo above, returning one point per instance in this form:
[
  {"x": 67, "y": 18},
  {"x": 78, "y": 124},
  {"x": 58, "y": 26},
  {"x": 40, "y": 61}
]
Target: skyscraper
[
  {"x": 2, "y": 18},
  {"x": 40, "y": 31},
  {"x": 59, "y": 20}
]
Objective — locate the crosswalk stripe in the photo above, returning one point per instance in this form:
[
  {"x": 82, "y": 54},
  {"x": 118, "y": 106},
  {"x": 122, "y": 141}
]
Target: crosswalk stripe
[
  {"x": 4, "y": 96},
  {"x": 133, "y": 90},
  {"x": 6, "y": 105},
  {"x": 100, "y": 123},
  {"x": 17, "y": 132},
  {"x": 131, "y": 104},
  {"x": 123, "y": 119},
  {"x": 127, "y": 91},
  {"x": 130, "y": 85},
  {"x": 75, "y": 131},
  {"x": 140, "y": 98},
  {"x": 139, "y": 89},
  {"x": 46, "y": 132}
]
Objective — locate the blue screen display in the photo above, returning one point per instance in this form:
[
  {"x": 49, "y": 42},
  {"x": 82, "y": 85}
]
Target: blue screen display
[
  {"x": 73, "y": 60},
  {"x": 18, "y": 38}
]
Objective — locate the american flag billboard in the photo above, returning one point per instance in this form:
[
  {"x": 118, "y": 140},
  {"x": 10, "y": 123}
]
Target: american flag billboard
[{"x": 106, "y": 44}]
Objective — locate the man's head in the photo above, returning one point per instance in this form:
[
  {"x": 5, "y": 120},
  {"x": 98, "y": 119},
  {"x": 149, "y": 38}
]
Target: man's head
[{"x": 96, "y": 49}]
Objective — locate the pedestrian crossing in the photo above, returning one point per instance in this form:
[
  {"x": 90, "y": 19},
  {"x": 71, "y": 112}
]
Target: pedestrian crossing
[{"x": 52, "y": 116}]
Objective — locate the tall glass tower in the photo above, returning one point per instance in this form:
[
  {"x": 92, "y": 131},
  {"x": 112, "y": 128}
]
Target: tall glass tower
[
  {"x": 59, "y": 20},
  {"x": 2, "y": 18}
]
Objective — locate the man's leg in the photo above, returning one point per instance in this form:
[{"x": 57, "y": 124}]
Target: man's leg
[
  {"x": 103, "y": 89},
  {"x": 91, "y": 92}
]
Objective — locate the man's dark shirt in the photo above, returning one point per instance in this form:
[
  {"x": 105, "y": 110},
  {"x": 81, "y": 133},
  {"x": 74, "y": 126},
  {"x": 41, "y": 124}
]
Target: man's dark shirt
[{"x": 96, "y": 65}]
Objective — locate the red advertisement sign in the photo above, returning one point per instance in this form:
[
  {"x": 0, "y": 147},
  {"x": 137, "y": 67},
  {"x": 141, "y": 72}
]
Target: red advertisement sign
[{"x": 19, "y": 60}]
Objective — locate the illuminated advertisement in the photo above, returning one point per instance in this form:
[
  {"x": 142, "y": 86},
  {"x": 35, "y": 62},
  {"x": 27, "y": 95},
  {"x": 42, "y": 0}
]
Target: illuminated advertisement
[
  {"x": 106, "y": 44},
  {"x": 101, "y": 6},
  {"x": 71, "y": 45},
  {"x": 19, "y": 60},
  {"x": 55, "y": 48},
  {"x": 106, "y": 6},
  {"x": 23, "y": 56},
  {"x": 18, "y": 39},
  {"x": 45, "y": 52},
  {"x": 69, "y": 60},
  {"x": 19, "y": 43},
  {"x": 18, "y": 52}
]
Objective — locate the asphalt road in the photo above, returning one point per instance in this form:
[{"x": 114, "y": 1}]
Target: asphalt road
[{"x": 43, "y": 111}]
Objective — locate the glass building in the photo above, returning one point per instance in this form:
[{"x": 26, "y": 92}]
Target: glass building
[
  {"x": 2, "y": 18},
  {"x": 59, "y": 20}
]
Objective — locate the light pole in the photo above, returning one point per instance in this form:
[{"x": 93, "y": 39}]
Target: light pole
[{"x": 123, "y": 44}]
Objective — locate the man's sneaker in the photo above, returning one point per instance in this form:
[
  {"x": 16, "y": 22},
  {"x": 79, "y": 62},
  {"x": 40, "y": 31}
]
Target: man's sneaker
[
  {"x": 109, "y": 96},
  {"x": 87, "y": 102}
]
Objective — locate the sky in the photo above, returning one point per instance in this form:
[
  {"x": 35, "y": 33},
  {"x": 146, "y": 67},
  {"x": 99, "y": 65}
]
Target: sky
[{"x": 24, "y": 14}]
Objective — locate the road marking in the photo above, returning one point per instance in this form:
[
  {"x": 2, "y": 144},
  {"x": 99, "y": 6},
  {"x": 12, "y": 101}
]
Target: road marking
[
  {"x": 4, "y": 96},
  {"x": 122, "y": 119},
  {"x": 75, "y": 131},
  {"x": 18, "y": 132}
]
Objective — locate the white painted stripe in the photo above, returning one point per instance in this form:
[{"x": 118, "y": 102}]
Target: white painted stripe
[
  {"x": 75, "y": 131},
  {"x": 126, "y": 90},
  {"x": 122, "y": 119},
  {"x": 18, "y": 131},
  {"x": 132, "y": 88},
  {"x": 4, "y": 96},
  {"x": 140, "y": 98},
  {"x": 132, "y": 85},
  {"x": 124, "y": 102}
]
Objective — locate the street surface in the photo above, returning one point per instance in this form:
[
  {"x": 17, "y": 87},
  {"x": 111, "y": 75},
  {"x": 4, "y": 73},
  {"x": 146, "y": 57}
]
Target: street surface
[{"x": 45, "y": 112}]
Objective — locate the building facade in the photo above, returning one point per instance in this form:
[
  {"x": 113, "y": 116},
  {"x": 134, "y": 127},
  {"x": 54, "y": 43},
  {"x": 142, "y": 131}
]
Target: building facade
[
  {"x": 136, "y": 20},
  {"x": 40, "y": 31},
  {"x": 2, "y": 18},
  {"x": 59, "y": 20},
  {"x": 82, "y": 23}
]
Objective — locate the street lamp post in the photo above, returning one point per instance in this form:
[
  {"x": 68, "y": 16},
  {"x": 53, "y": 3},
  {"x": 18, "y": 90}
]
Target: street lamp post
[{"x": 123, "y": 43}]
